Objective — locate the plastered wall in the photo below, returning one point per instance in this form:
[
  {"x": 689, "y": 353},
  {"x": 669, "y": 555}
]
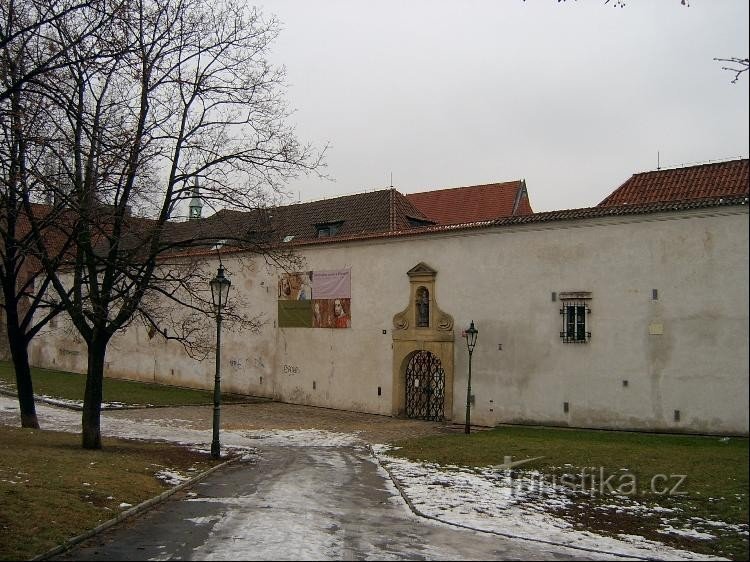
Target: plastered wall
[{"x": 686, "y": 351}]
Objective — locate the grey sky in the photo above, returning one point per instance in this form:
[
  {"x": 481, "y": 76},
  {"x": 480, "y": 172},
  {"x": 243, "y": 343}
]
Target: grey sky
[{"x": 573, "y": 96}]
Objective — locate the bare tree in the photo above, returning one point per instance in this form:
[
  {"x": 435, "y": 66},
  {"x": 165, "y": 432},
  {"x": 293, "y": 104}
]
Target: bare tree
[
  {"x": 185, "y": 93},
  {"x": 29, "y": 49},
  {"x": 29, "y": 25},
  {"x": 24, "y": 298}
]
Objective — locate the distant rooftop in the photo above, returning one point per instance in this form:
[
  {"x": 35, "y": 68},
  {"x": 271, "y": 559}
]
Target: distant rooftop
[
  {"x": 387, "y": 212},
  {"x": 720, "y": 179},
  {"x": 473, "y": 203}
]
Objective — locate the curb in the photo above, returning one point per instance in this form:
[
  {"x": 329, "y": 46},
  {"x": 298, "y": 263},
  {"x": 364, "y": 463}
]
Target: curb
[
  {"x": 414, "y": 509},
  {"x": 141, "y": 507}
]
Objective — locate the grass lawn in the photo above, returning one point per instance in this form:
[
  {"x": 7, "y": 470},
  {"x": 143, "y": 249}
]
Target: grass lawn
[
  {"x": 70, "y": 386},
  {"x": 644, "y": 467},
  {"x": 45, "y": 503}
]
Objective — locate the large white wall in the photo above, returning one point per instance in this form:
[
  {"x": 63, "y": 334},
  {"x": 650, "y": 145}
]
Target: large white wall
[{"x": 503, "y": 279}]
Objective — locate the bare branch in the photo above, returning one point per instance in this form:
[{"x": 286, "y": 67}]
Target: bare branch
[{"x": 739, "y": 67}]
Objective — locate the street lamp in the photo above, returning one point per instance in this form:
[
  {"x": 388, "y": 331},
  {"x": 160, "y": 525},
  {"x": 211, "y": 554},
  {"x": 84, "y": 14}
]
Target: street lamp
[
  {"x": 471, "y": 340},
  {"x": 219, "y": 293}
]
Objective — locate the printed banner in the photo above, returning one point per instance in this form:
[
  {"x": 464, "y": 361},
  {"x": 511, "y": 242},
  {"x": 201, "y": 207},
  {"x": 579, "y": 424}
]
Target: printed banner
[
  {"x": 315, "y": 299},
  {"x": 295, "y": 314},
  {"x": 332, "y": 284}
]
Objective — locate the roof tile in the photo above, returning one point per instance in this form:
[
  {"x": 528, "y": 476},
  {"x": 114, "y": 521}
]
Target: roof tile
[
  {"x": 721, "y": 179},
  {"x": 474, "y": 203}
]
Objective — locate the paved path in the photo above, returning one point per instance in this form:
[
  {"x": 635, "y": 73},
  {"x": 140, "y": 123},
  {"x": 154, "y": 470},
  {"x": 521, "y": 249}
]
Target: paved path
[
  {"x": 301, "y": 503},
  {"x": 277, "y": 415}
]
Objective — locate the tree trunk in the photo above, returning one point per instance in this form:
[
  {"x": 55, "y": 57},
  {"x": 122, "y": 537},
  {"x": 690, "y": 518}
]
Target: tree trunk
[
  {"x": 24, "y": 386},
  {"x": 92, "y": 399},
  {"x": 20, "y": 355}
]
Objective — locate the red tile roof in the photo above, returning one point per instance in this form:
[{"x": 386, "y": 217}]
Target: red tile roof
[
  {"x": 548, "y": 217},
  {"x": 474, "y": 203},
  {"x": 722, "y": 179},
  {"x": 385, "y": 210},
  {"x": 240, "y": 221},
  {"x": 375, "y": 211}
]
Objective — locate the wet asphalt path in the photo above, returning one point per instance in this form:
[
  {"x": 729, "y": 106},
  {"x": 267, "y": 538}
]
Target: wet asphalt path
[{"x": 297, "y": 503}]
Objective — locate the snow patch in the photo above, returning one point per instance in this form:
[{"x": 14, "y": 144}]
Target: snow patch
[
  {"x": 170, "y": 477},
  {"x": 691, "y": 533}
]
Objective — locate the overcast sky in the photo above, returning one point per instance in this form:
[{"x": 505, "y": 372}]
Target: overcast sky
[{"x": 574, "y": 97}]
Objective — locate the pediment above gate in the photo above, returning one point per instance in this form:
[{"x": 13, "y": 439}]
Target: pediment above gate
[
  {"x": 422, "y": 269},
  {"x": 422, "y": 319}
]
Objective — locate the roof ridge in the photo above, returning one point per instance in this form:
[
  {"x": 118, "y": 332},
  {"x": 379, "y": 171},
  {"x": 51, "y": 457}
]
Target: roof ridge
[
  {"x": 431, "y": 191},
  {"x": 688, "y": 165},
  {"x": 354, "y": 194},
  {"x": 391, "y": 210}
]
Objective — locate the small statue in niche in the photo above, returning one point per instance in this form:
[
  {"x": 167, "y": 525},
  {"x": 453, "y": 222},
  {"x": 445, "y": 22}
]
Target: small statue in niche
[{"x": 423, "y": 308}]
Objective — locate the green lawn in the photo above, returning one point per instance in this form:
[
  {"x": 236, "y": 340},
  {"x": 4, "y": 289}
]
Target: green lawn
[
  {"x": 70, "y": 386},
  {"x": 45, "y": 503},
  {"x": 645, "y": 467}
]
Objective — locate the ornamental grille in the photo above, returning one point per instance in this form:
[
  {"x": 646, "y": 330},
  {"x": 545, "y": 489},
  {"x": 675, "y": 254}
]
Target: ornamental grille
[
  {"x": 575, "y": 322},
  {"x": 425, "y": 387}
]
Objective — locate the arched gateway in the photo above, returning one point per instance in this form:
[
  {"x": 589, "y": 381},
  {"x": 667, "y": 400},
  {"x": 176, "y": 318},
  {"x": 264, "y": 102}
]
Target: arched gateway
[{"x": 423, "y": 353}]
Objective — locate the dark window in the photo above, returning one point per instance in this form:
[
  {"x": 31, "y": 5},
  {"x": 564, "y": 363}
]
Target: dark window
[
  {"x": 419, "y": 223},
  {"x": 575, "y": 321},
  {"x": 327, "y": 229}
]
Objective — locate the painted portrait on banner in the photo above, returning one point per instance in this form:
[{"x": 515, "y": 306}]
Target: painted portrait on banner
[
  {"x": 332, "y": 313},
  {"x": 295, "y": 286}
]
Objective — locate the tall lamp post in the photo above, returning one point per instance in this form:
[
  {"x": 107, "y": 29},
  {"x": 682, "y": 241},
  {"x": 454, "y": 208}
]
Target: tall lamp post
[
  {"x": 471, "y": 340},
  {"x": 219, "y": 293}
]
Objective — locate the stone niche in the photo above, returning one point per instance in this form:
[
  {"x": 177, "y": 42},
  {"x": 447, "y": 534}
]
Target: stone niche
[{"x": 422, "y": 326}]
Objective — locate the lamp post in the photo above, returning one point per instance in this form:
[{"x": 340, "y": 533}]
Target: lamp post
[
  {"x": 219, "y": 294},
  {"x": 471, "y": 340}
]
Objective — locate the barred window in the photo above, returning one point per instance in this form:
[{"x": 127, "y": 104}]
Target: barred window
[{"x": 575, "y": 313}]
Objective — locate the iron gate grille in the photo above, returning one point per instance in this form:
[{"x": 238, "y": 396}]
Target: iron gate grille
[{"x": 425, "y": 387}]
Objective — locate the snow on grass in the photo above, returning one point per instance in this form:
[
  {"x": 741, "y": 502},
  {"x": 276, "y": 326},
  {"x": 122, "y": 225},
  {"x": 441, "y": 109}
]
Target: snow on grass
[
  {"x": 736, "y": 528},
  {"x": 684, "y": 532},
  {"x": 78, "y": 404},
  {"x": 516, "y": 505},
  {"x": 170, "y": 477}
]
